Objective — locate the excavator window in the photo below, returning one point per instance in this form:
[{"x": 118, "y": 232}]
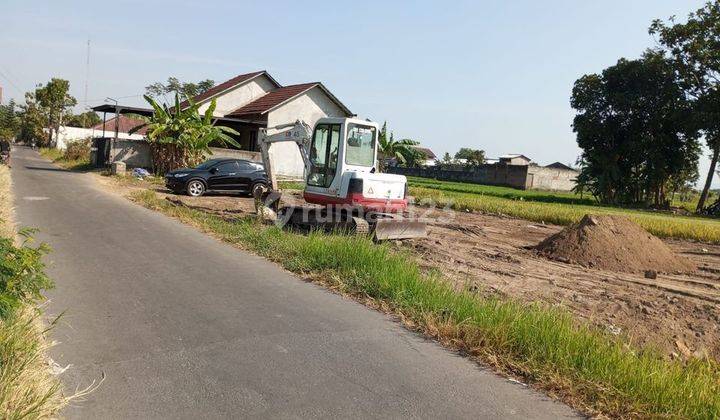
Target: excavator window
[
  {"x": 360, "y": 145},
  {"x": 324, "y": 155}
]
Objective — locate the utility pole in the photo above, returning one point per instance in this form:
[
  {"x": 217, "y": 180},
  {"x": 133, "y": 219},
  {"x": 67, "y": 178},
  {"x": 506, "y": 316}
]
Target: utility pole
[
  {"x": 114, "y": 140},
  {"x": 87, "y": 77}
]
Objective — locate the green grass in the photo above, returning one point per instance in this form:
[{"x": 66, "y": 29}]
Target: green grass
[
  {"x": 657, "y": 223},
  {"x": 291, "y": 185},
  {"x": 561, "y": 197},
  {"x": 503, "y": 192},
  {"x": 57, "y": 156},
  {"x": 591, "y": 369}
]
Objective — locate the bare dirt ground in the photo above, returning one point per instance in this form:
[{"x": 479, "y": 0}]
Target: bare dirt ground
[{"x": 679, "y": 314}]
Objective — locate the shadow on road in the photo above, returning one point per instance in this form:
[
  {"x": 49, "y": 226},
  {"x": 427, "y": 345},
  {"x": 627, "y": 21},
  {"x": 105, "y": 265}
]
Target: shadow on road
[{"x": 39, "y": 168}]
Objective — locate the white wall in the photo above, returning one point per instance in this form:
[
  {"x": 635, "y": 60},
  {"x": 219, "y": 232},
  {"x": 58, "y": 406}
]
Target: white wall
[
  {"x": 67, "y": 134},
  {"x": 309, "y": 107},
  {"x": 240, "y": 95}
]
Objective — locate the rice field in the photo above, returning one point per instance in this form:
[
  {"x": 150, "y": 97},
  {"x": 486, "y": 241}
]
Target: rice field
[{"x": 556, "y": 208}]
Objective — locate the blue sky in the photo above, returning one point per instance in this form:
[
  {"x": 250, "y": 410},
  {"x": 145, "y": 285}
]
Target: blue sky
[{"x": 494, "y": 75}]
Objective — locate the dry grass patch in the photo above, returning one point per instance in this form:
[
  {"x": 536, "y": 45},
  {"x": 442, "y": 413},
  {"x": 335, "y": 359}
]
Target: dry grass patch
[{"x": 28, "y": 388}]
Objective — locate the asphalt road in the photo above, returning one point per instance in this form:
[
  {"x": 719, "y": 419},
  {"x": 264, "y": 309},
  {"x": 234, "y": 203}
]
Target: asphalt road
[{"x": 184, "y": 326}]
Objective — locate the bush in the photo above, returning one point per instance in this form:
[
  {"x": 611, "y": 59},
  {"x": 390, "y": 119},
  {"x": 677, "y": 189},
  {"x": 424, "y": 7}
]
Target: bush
[
  {"x": 22, "y": 275},
  {"x": 78, "y": 150}
]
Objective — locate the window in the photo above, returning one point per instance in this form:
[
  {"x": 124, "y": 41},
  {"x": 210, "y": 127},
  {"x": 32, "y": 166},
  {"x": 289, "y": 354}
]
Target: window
[
  {"x": 227, "y": 167},
  {"x": 324, "y": 155},
  {"x": 360, "y": 145},
  {"x": 207, "y": 164},
  {"x": 249, "y": 166}
]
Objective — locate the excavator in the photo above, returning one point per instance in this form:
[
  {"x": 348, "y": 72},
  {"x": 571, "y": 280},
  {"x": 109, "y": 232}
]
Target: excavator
[{"x": 343, "y": 189}]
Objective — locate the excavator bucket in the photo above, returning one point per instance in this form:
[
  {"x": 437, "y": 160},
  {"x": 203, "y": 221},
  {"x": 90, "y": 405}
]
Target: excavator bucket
[{"x": 393, "y": 229}]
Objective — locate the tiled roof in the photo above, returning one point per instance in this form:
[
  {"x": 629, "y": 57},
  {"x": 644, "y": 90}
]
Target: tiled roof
[
  {"x": 272, "y": 99},
  {"x": 126, "y": 124},
  {"x": 426, "y": 151},
  {"x": 223, "y": 86}
]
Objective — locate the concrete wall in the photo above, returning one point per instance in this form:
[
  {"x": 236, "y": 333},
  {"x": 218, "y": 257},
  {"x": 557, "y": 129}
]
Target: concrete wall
[
  {"x": 67, "y": 134},
  {"x": 240, "y": 95},
  {"x": 515, "y": 176},
  {"x": 237, "y": 154},
  {"x": 135, "y": 153},
  {"x": 309, "y": 107},
  {"x": 543, "y": 178}
]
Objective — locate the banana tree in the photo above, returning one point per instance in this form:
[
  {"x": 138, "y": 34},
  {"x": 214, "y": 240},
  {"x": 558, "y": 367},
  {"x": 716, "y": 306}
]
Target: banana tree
[
  {"x": 400, "y": 150},
  {"x": 181, "y": 137}
]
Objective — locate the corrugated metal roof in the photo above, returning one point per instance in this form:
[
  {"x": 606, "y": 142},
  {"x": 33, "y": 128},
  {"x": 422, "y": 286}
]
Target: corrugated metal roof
[{"x": 126, "y": 124}]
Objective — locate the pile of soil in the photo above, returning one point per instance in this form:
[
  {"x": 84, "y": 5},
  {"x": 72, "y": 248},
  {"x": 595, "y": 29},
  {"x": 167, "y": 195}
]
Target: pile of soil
[{"x": 613, "y": 243}]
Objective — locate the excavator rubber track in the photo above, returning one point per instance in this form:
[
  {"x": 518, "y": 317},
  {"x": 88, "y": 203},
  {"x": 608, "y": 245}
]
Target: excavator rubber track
[{"x": 380, "y": 227}]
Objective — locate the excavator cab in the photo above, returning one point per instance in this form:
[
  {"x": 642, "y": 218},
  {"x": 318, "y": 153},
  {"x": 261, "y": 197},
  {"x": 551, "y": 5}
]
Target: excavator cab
[{"x": 342, "y": 168}]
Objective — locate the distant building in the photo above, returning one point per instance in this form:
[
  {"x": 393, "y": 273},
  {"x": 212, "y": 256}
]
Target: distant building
[
  {"x": 514, "y": 159},
  {"x": 430, "y": 158},
  {"x": 511, "y": 170},
  {"x": 558, "y": 165}
]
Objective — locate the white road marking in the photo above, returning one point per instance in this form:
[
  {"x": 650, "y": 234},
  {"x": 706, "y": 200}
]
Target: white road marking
[{"x": 35, "y": 198}]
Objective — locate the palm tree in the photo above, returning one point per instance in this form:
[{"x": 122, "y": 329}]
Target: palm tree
[{"x": 182, "y": 137}]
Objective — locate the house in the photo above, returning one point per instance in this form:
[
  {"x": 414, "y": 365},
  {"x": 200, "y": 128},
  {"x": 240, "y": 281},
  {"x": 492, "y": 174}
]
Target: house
[
  {"x": 429, "y": 158},
  {"x": 558, "y": 165},
  {"x": 251, "y": 101},
  {"x": 514, "y": 159}
]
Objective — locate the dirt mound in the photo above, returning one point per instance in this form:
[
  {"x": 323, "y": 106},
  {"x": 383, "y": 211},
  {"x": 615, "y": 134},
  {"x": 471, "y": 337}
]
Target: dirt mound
[{"x": 612, "y": 243}]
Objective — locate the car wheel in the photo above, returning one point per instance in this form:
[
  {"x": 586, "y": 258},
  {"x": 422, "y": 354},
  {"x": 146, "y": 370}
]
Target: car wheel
[
  {"x": 195, "y": 188},
  {"x": 259, "y": 190}
]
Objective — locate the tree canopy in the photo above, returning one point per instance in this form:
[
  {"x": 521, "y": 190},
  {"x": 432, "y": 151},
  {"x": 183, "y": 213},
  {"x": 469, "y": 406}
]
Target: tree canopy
[
  {"x": 85, "y": 120},
  {"x": 175, "y": 86},
  {"x": 636, "y": 129},
  {"x": 695, "y": 49},
  {"x": 9, "y": 121},
  {"x": 55, "y": 102},
  {"x": 473, "y": 157}
]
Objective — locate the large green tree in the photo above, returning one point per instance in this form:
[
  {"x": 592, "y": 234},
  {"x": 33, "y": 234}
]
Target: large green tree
[
  {"x": 9, "y": 121},
  {"x": 473, "y": 157},
  {"x": 695, "y": 48},
  {"x": 175, "y": 86},
  {"x": 636, "y": 129},
  {"x": 32, "y": 120},
  {"x": 56, "y": 103}
]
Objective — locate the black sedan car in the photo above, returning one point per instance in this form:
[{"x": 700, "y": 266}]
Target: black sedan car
[{"x": 223, "y": 174}]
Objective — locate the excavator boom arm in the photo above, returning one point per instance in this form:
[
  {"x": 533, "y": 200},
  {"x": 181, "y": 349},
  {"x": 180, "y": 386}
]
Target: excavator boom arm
[{"x": 298, "y": 132}]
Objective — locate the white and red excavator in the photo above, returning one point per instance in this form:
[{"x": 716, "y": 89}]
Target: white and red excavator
[{"x": 342, "y": 185}]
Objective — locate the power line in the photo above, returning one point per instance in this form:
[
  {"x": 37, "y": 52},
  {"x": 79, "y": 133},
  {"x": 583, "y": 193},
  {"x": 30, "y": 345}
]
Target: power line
[{"x": 12, "y": 84}]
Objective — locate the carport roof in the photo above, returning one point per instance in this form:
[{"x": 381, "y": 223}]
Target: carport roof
[{"x": 123, "y": 109}]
